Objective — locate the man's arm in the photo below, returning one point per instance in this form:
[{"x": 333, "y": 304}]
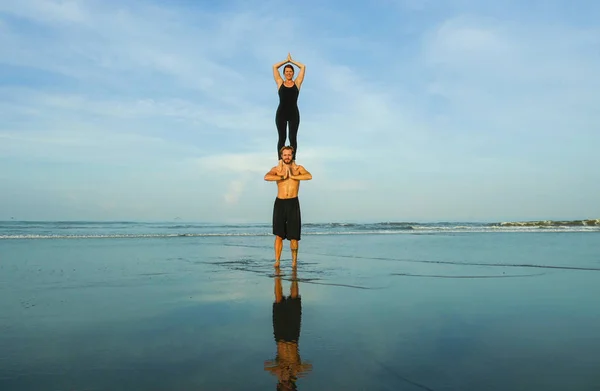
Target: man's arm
[
  {"x": 273, "y": 175},
  {"x": 303, "y": 175}
]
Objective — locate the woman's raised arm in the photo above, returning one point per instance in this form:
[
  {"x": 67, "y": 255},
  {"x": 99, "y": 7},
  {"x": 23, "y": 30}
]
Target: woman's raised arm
[
  {"x": 302, "y": 67},
  {"x": 276, "y": 74}
]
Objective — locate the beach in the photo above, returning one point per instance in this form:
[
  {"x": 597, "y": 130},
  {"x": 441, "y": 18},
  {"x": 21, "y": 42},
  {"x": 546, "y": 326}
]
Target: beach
[{"x": 118, "y": 307}]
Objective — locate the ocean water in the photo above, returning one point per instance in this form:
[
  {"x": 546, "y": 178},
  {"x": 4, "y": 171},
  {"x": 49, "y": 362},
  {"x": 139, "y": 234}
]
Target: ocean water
[
  {"x": 126, "y": 229},
  {"x": 382, "y": 306}
]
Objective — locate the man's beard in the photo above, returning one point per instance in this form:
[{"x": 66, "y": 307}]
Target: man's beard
[{"x": 287, "y": 160}]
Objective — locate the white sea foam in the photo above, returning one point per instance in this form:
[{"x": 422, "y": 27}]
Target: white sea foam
[{"x": 314, "y": 230}]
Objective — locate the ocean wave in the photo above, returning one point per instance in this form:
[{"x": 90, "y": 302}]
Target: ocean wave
[
  {"x": 552, "y": 223},
  {"x": 116, "y": 230},
  {"x": 322, "y": 232},
  {"x": 125, "y": 236}
]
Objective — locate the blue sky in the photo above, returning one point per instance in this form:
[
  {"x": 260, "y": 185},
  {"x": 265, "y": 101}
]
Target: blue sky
[{"x": 411, "y": 110}]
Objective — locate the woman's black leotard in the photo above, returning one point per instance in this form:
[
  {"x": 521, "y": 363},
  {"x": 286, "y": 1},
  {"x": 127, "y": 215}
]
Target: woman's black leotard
[{"x": 287, "y": 112}]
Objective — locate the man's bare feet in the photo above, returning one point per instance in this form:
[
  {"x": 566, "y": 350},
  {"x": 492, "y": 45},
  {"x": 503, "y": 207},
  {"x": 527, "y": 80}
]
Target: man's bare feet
[{"x": 276, "y": 265}]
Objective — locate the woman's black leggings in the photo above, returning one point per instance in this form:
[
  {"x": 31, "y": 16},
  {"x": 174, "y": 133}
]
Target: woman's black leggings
[{"x": 281, "y": 121}]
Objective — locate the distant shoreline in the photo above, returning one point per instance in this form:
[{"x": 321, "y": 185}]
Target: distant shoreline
[{"x": 519, "y": 223}]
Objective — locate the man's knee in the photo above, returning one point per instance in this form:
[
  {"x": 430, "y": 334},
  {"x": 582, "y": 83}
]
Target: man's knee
[
  {"x": 278, "y": 239},
  {"x": 294, "y": 244}
]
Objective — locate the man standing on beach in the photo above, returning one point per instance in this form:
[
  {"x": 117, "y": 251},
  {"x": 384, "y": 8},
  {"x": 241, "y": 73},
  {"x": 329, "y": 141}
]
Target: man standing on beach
[{"x": 287, "y": 222}]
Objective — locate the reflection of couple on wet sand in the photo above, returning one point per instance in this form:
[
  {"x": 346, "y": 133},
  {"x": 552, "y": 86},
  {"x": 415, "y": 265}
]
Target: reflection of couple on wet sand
[{"x": 287, "y": 315}]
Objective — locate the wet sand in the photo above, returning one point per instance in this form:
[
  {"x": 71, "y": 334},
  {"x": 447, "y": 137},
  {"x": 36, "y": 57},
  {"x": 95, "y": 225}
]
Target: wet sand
[{"x": 359, "y": 313}]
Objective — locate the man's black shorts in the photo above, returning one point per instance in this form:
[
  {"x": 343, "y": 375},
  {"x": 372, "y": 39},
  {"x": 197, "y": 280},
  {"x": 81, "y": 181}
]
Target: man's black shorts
[{"x": 286, "y": 218}]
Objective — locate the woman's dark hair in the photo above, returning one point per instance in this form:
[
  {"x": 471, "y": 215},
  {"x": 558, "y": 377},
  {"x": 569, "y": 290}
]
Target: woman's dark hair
[{"x": 288, "y": 66}]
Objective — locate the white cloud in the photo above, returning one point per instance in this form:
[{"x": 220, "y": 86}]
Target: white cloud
[
  {"x": 499, "y": 81},
  {"x": 457, "y": 38},
  {"x": 234, "y": 192},
  {"x": 86, "y": 145},
  {"x": 46, "y": 11},
  {"x": 238, "y": 162}
]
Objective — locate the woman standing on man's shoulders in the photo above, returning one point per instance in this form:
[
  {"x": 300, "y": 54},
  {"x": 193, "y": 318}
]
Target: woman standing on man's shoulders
[{"x": 287, "y": 111}]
